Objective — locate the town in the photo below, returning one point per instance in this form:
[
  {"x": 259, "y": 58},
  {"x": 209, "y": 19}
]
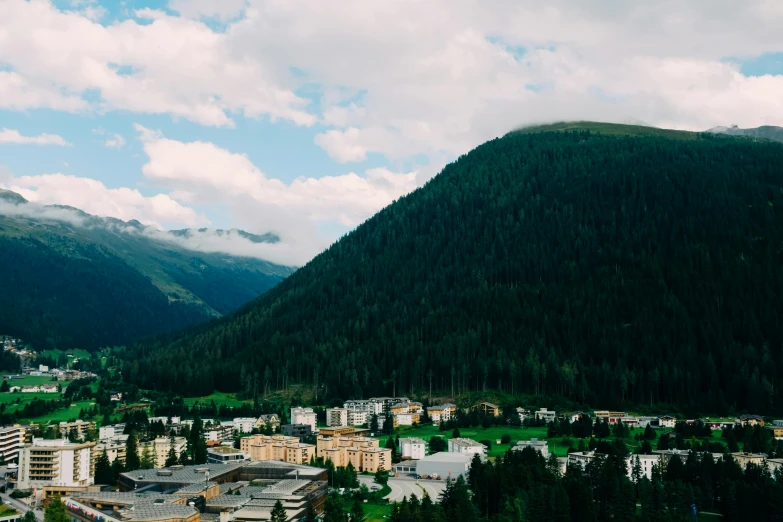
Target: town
[{"x": 187, "y": 470}]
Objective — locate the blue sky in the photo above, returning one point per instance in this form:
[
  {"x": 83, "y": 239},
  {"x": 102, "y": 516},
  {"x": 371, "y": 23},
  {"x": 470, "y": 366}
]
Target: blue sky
[{"x": 305, "y": 119}]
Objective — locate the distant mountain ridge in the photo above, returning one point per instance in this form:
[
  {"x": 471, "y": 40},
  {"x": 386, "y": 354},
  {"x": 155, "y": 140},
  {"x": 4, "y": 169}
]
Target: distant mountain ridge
[
  {"x": 72, "y": 279},
  {"x": 768, "y": 132}
]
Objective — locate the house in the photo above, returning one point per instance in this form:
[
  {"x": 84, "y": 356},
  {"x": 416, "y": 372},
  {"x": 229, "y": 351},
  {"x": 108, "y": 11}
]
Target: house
[
  {"x": 270, "y": 419},
  {"x": 13, "y": 389},
  {"x": 467, "y": 446},
  {"x": 116, "y": 397},
  {"x": 667, "y": 421},
  {"x": 336, "y": 417},
  {"x": 546, "y": 415},
  {"x": 777, "y": 431},
  {"x": 751, "y": 420},
  {"x": 303, "y": 416},
  {"x": 612, "y": 417},
  {"x": 441, "y": 412},
  {"x": 524, "y": 414},
  {"x": 412, "y": 448},
  {"x": 488, "y": 408},
  {"x": 648, "y": 421},
  {"x": 31, "y": 389},
  {"x": 49, "y": 388},
  {"x": 538, "y": 445}
]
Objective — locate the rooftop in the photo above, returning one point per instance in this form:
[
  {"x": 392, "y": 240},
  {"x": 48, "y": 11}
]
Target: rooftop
[
  {"x": 466, "y": 443},
  {"x": 447, "y": 457},
  {"x": 184, "y": 474}
]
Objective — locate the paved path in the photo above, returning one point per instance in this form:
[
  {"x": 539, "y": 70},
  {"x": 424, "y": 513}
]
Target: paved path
[
  {"x": 405, "y": 487},
  {"x": 21, "y": 506}
]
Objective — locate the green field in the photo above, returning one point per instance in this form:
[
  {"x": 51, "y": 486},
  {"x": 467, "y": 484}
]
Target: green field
[
  {"x": 376, "y": 512},
  {"x": 25, "y": 398},
  {"x": 229, "y": 399},
  {"x": 77, "y": 352},
  {"x": 61, "y": 415},
  {"x": 35, "y": 380}
]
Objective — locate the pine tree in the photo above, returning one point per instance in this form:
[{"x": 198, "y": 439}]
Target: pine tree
[
  {"x": 103, "y": 471},
  {"x": 357, "y": 510},
  {"x": 278, "y": 513},
  {"x": 148, "y": 456},
  {"x": 55, "y": 511},
  {"x": 132, "y": 461}
]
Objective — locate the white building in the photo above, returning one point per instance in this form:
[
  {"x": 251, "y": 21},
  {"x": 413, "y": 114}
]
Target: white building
[
  {"x": 538, "y": 445},
  {"x": 111, "y": 431},
  {"x": 219, "y": 433},
  {"x": 404, "y": 419},
  {"x": 358, "y": 418},
  {"x": 582, "y": 458},
  {"x": 304, "y": 416},
  {"x": 646, "y": 463},
  {"x": 11, "y": 441},
  {"x": 412, "y": 448},
  {"x": 55, "y": 463},
  {"x": 546, "y": 415},
  {"x": 667, "y": 421},
  {"x": 467, "y": 446},
  {"x": 244, "y": 424},
  {"x": 441, "y": 412},
  {"x": 115, "y": 448},
  {"x": 43, "y": 368},
  {"x": 336, "y": 417},
  {"x": 371, "y": 406}
]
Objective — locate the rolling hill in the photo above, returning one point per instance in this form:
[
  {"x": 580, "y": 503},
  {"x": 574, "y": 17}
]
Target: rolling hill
[
  {"x": 610, "y": 265},
  {"x": 73, "y": 280}
]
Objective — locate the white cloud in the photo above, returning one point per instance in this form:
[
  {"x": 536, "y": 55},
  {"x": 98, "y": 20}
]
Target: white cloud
[
  {"x": 171, "y": 66},
  {"x": 222, "y": 9},
  {"x": 13, "y": 136},
  {"x": 115, "y": 142},
  {"x": 94, "y": 197}
]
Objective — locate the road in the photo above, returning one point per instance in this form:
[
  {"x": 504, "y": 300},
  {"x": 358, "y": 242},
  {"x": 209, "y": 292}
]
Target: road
[
  {"x": 405, "y": 487},
  {"x": 20, "y": 506}
]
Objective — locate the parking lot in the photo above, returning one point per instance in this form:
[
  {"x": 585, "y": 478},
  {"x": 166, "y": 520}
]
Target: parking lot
[{"x": 405, "y": 487}]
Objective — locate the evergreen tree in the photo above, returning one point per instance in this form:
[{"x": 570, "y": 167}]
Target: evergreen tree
[
  {"x": 55, "y": 511},
  {"x": 132, "y": 461},
  {"x": 148, "y": 456},
  {"x": 29, "y": 516},
  {"x": 357, "y": 510},
  {"x": 278, "y": 513},
  {"x": 103, "y": 472}
]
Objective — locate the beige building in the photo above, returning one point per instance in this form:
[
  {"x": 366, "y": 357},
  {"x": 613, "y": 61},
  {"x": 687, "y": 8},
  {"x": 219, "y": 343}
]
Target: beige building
[
  {"x": 276, "y": 447},
  {"x": 79, "y": 428},
  {"x": 441, "y": 412},
  {"x": 55, "y": 463},
  {"x": 11, "y": 442},
  {"x": 160, "y": 448},
  {"x": 115, "y": 448},
  {"x": 362, "y": 453}
]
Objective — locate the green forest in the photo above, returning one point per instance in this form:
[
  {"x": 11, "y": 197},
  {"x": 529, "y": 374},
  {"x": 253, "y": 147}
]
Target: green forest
[{"x": 608, "y": 269}]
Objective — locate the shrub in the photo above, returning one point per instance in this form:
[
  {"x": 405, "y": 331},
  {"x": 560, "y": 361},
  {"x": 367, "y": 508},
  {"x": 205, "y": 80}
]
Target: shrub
[{"x": 506, "y": 438}]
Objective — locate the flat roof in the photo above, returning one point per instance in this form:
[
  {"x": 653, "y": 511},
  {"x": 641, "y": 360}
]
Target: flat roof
[{"x": 445, "y": 456}]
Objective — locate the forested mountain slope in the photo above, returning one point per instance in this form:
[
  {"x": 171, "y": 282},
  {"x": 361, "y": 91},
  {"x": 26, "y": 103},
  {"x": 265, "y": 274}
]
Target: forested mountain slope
[
  {"x": 72, "y": 280},
  {"x": 767, "y": 132},
  {"x": 610, "y": 268}
]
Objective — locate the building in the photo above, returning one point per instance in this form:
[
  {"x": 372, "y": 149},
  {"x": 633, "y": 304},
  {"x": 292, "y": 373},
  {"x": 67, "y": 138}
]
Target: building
[
  {"x": 488, "y": 408},
  {"x": 358, "y": 418},
  {"x": 777, "y": 432},
  {"x": 160, "y": 448},
  {"x": 444, "y": 465},
  {"x": 546, "y": 415},
  {"x": 336, "y": 417},
  {"x": 405, "y": 419},
  {"x": 78, "y": 428},
  {"x": 244, "y": 424},
  {"x": 538, "y": 445},
  {"x": 55, "y": 463},
  {"x": 304, "y": 416},
  {"x": 344, "y": 431},
  {"x": 270, "y": 420},
  {"x": 646, "y": 464},
  {"x": 412, "y": 448},
  {"x": 441, "y": 412},
  {"x": 114, "y": 447},
  {"x": 220, "y": 433},
  {"x": 49, "y": 388},
  {"x": 387, "y": 402},
  {"x": 370, "y": 406},
  {"x": 577, "y": 416},
  {"x": 259, "y": 448},
  {"x": 224, "y": 454},
  {"x": 611, "y": 417},
  {"x": 778, "y": 422},
  {"x": 362, "y": 453},
  {"x": 648, "y": 421},
  {"x": 743, "y": 459},
  {"x": 581, "y": 458},
  {"x": 467, "y": 447},
  {"x": 667, "y": 421},
  {"x": 751, "y": 420},
  {"x": 524, "y": 414},
  {"x": 11, "y": 442},
  {"x": 297, "y": 430}
]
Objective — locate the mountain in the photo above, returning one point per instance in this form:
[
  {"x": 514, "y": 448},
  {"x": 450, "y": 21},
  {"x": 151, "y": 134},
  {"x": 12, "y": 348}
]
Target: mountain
[
  {"x": 609, "y": 265},
  {"x": 767, "y": 132},
  {"x": 71, "y": 279}
]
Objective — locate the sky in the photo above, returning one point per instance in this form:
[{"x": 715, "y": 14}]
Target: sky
[{"x": 305, "y": 117}]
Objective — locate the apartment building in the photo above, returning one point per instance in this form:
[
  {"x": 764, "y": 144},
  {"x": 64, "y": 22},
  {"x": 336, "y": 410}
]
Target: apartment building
[
  {"x": 546, "y": 415},
  {"x": 412, "y": 448},
  {"x": 77, "y": 428},
  {"x": 359, "y": 418},
  {"x": 336, "y": 417},
  {"x": 276, "y": 447},
  {"x": 55, "y": 463},
  {"x": 11, "y": 442},
  {"x": 441, "y": 412},
  {"x": 370, "y": 406},
  {"x": 362, "y": 453},
  {"x": 467, "y": 446},
  {"x": 612, "y": 417},
  {"x": 406, "y": 407},
  {"x": 160, "y": 448},
  {"x": 405, "y": 419},
  {"x": 114, "y": 448},
  {"x": 109, "y": 432},
  {"x": 244, "y": 424},
  {"x": 538, "y": 445},
  {"x": 304, "y": 416},
  {"x": 219, "y": 433}
]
